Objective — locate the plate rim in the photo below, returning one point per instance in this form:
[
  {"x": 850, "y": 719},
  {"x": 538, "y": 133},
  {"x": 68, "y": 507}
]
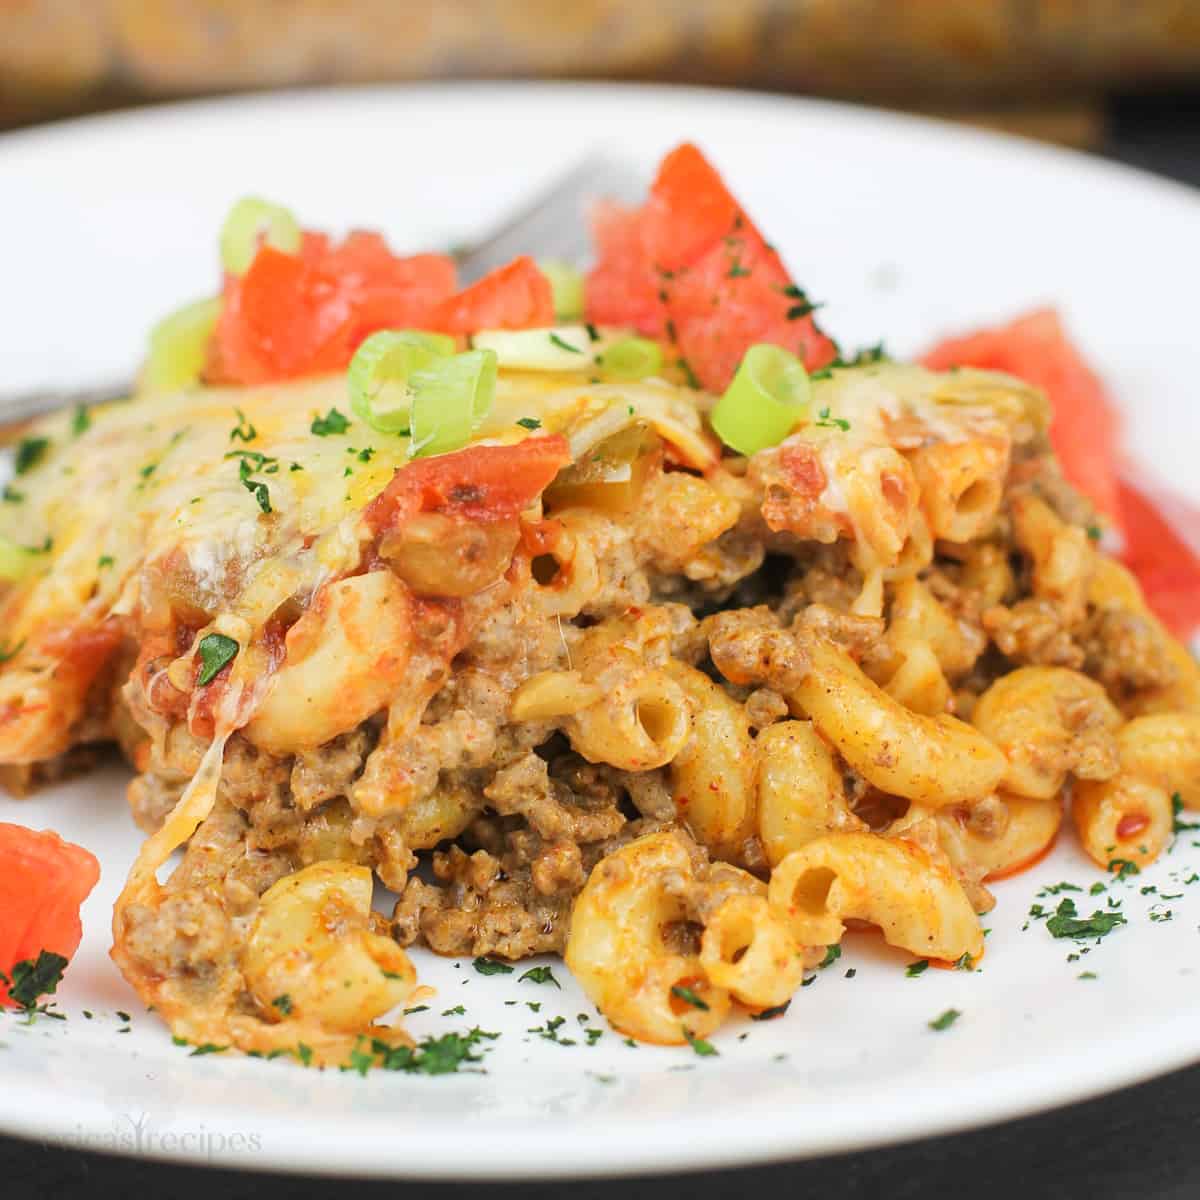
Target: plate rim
[{"x": 677, "y": 1146}]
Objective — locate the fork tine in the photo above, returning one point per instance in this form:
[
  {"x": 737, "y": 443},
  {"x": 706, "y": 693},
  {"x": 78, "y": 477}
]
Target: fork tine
[{"x": 554, "y": 223}]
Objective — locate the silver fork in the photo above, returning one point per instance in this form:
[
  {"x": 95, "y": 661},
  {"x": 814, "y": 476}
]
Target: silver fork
[{"x": 551, "y": 224}]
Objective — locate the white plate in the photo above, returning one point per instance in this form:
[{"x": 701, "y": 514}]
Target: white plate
[{"x": 906, "y": 229}]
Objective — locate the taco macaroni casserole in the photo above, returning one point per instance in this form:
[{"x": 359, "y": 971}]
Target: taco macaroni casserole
[{"x": 656, "y": 635}]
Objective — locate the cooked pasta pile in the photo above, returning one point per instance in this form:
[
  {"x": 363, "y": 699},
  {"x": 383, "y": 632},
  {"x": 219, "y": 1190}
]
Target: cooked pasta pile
[{"x": 676, "y": 706}]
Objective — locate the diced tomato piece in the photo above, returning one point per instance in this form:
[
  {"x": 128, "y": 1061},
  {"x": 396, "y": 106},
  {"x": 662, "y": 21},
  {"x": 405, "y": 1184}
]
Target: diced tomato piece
[
  {"x": 43, "y": 883},
  {"x": 736, "y": 294},
  {"x": 517, "y": 296},
  {"x": 1166, "y": 565},
  {"x": 1085, "y": 428},
  {"x": 690, "y": 263},
  {"x": 623, "y": 288},
  {"x": 480, "y": 483},
  {"x": 689, "y": 210},
  {"x": 299, "y": 314}
]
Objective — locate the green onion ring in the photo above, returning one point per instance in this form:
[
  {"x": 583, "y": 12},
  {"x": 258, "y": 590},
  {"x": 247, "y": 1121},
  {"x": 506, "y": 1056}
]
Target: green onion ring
[
  {"x": 566, "y": 286},
  {"x": 179, "y": 346},
  {"x": 768, "y": 397},
  {"x": 380, "y": 371},
  {"x": 251, "y": 221},
  {"x": 631, "y": 358},
  {"x": 449, "y": 400}
]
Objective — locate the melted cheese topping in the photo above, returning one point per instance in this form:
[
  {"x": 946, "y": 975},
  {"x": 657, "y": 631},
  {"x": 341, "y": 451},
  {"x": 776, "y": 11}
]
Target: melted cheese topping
[{"x": 183, "y": 473}]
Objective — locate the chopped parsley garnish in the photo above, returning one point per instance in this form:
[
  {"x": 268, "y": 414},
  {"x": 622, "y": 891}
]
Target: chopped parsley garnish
[
  {"x": 283, "y": 1004},
  {"x": 408, "y": 1012},
  {"x": 1055, "y": 888},
  {"x": 332, "y": 422},
  {"x": 529, "y": 423},
  {"x": 148, "y": 470},
  {"x": 434, "y": 1056},
  {"x": 832, "y": 954},
  {"x": 489, "y": 966},
  {"x": 215, "y": 650},
  {"x": 964, "y": 962},
  {"x": 366, "y": 454},
  {"x": 10, "y": 495},
  {"x": 1124, "y": 867},
  {"x": 533, "y": 1005},
  {"x": 850, "y": 974},
  {"x": 1067, "y": 923},
  {"x": 938, "y": 1024},
  {"x": 1097, "y": 888},
  {"x": 864, "y": 357},
  {"x": 702, "y": 1047},
  {"x": 81, "y": 420},
  {"x": 206, "y": 1048},
  {"x": 1087, "y": 975},
  {"x": 30, "y": 452},
  {"x": 557, "y": 341},
  {"x": 260, "y": 492},
  {"x": 917, "y": 968},
  {"x": 825, "y": 421},
  {"x": 243, "y": 431},
  {"x": 769, "y": 1014},
  {"x": 736, "y": 270},
  {"x": 7, "y": 652},
  {"x": 592, "y": 332},
  {"x": 549, "y": 1031},
  {"x": 1177, "y": 825},
  {"x": 1095, "y": 533},
  {"x": 32, "y": 979},
  {"x": 689, "y": 997},
  {"x": 540, "y": 975},
  {"x": 304, "y": 1053},
  {"x": 105, "y": 560},
  {"x": 456, "y": 1011}
]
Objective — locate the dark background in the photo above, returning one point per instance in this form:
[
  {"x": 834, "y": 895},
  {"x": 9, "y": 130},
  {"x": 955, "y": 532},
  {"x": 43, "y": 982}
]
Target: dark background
[{"x": 1142, "y": 1142}]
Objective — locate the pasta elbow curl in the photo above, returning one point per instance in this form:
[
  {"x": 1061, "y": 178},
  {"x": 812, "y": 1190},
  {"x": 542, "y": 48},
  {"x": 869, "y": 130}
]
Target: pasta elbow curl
[
  {"x": 311, "y": 942},
  {"x": 642, "y": 721},
  {"x": 913, "y": 897},
  {"x": 962, "y": 484},
  {"x": 346, "y": 659},
  {"x": 712, "y": 776},
  {"x": 1130, "y": 816},
  {"x": 930, "y": 760},
  {"x": 801, "y": 796},
  {"x": 621, "y": 951},
  {"x": 1049, "y": 722},
  {"x": 750, "y": 952}
]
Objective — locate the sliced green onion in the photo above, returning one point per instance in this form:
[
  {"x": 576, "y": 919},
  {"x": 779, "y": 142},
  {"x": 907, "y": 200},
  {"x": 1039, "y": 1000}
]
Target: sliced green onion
[
  {"x": 252, "y": 221},
  {"x": 15, "y": 560},
  {"x": 566, "y": 285},
  {"x": 631, "y": 358},
  {"x": 768, "y": 397},
  {"x": 179, "y": 346},
  {"x": 559, "y": 348},
  {"x": 449, "y": 399},
  {"x": 380, "y": 371}
]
